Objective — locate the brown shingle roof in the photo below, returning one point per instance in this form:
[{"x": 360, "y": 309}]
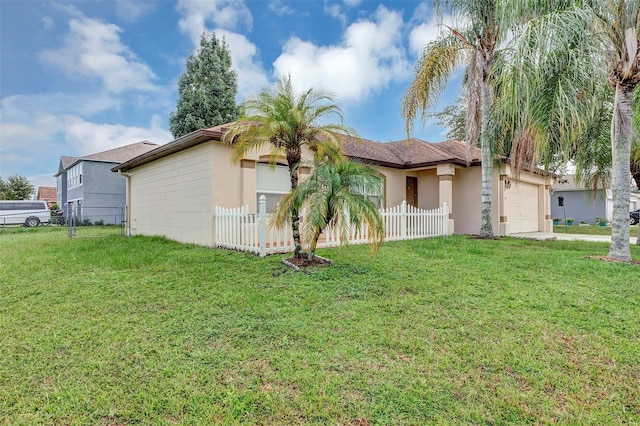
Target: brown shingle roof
[
  {"x": 123, "y": 153},
  {"x": 370, "y": 151},
  {"x": 116, "y": 155},
  {"x": 404, "y": 154},
  {"x": 66, "y": 161},
  {"x": 47, "y": 193},
  {"x": 411, "y": 153}
]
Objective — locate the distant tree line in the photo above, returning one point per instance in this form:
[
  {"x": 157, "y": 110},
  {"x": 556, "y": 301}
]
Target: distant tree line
[{"x": 15, "y": 188}]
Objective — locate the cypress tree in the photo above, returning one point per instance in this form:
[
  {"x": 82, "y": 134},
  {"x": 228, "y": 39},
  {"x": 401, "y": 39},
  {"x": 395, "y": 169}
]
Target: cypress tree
[{"x": 207, "y": 89}]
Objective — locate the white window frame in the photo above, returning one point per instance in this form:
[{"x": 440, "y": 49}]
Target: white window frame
[
  {"x": 279, "y": 189},
  {"x": 74, "y": 176}
]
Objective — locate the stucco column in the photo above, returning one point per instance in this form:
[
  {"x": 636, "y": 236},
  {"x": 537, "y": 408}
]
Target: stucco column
[
  {"x": 545, "y": 203},
  {"x": 503, "y": 182},
  {"x": 445, "y": 190}
]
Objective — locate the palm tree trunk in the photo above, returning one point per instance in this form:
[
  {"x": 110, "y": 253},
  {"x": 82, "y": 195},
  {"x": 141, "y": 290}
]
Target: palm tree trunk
[
  {"x": 294, "y": 155},
  {"x": 635, "y": 174},
  {"x": 621, "y": 135},
  {"x": 486, "y": 228}
]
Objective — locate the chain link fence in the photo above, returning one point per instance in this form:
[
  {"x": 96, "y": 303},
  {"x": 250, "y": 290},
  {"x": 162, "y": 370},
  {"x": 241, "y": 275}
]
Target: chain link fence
[{"x": 92, "y": 222}]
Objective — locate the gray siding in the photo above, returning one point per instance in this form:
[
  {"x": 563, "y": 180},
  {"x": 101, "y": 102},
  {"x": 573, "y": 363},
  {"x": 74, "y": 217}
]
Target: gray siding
[
  {"x": 579, "y": 205},
  {"x": 103, "y": 193},
  {"x": 61, "y": 189}
]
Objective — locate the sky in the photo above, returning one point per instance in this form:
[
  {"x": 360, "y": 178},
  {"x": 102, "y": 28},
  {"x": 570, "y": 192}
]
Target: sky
[{"x": 80, "y": 77}]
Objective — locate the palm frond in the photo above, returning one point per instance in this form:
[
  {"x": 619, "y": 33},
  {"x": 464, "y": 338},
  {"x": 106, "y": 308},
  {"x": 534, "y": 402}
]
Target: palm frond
[
  {"x": 336, "y": 196},
  {"x": 438, "y": 60}
]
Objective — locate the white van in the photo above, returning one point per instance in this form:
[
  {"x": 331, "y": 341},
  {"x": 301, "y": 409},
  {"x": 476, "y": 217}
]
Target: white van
[{"x": 27, "y": 213}]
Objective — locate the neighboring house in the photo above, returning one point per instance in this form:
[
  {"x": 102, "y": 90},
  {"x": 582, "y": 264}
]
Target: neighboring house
[
  {"x": 173, "y": 190},
  {"x": 48, "y": 194},
  {"x": 584, "y": 204},
  {"x": 89, "y": 190}
]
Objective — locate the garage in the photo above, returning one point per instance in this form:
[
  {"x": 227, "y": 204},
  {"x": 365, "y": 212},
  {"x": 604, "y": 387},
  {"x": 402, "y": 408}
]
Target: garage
[{"x": 522, "y": 207}]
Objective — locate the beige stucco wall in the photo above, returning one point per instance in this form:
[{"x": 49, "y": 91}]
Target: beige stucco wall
[
  {"x": 467, "y": 202},
  {"x": 229, "y": 180},
  {"x": 394, "y": 186},
  {"x": 543, "y": 201},
  {"x": 175, "y": 196},
  {"x": 172, "y": 197},
  {"x": 428, "y": 189}
]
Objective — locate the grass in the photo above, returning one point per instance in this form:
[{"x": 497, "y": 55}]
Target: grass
[
  {"x": 115, "y": 331},
  {"x": 590, "y": 230}
]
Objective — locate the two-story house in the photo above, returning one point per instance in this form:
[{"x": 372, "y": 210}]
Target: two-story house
[{"x": 88, "y": 189}]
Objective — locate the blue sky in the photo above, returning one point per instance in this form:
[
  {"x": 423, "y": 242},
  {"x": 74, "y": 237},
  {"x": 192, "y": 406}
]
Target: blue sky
[{"x": 86, "y": 76}]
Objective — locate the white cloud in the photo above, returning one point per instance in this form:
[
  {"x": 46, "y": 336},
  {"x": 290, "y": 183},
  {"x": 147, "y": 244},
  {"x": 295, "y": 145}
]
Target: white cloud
[
  {"x": 281, "y": 9},
  {"x": 335, "y": 11},
  {"x": 370, "y": 57},
  {"x": 244, "y": 53},
  {"x": 47, "y": 22},
  {"x": 251, "y": 75},
  {"x": 88, "y": 138},
  {"x": 21, "y": 108},
  {"x": 93, "y": 49},
  {"x": 428, "y": 26},
  {"x": 223, "y": 14},
  {"x": 85, "y": 137},
  {"x": 42, "y": 180},
  {"x": 24, "y": 135},
  {"x": 130, "y": 11},
  {"x": 352, "y": 2}
]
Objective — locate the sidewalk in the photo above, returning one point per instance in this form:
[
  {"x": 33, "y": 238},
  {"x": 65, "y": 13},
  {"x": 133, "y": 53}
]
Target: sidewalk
[{"x": 567, "y": 237}]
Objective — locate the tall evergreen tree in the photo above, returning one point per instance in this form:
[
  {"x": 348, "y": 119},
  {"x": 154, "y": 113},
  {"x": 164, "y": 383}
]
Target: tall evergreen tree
[{"x": 207, "y": 89}]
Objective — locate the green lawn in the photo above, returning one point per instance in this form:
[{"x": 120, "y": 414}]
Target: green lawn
[
  {"x": 115, "y": 331},
  {"x": 590, "y": 230}
]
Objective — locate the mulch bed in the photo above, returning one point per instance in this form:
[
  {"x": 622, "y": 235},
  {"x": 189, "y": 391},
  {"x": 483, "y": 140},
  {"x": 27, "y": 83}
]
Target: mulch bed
[{"x": 299, "y": 263}]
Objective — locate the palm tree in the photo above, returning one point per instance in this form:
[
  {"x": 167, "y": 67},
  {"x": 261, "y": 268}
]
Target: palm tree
[
  {"x": 597, "y": 41},
  {"x": 475, "y": 44},
  {"x": 635, "y": 149},
  {"x": 336, "y": 195},
  {"x": 286, "y": 121}
]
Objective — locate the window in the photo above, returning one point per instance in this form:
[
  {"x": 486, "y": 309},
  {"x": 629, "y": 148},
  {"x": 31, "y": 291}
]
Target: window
[
  {"x": 23, "y": 205},
  {"x": 376, "y": 197},
  {"x": 273, "y": 183},
  {"x": 74, "y": 176}
]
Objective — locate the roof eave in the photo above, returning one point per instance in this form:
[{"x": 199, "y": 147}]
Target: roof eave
[
  {"x": 184, "y": 142},
  {"x": 409, "y": 166}
]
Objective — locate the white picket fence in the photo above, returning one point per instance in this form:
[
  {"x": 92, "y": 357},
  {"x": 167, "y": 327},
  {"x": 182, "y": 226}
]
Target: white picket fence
[{"x": 238, "y": 229}]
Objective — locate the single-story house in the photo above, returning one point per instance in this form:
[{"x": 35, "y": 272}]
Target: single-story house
[
  {"x": 87, "y": 189},
  {"x": 584, "y": 204},
  {"x": 174, "y": 189},
  {"x": 47, "y": 193}
]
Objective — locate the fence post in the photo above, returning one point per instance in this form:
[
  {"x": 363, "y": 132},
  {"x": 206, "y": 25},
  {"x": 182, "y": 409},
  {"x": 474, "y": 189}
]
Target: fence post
[
  {"x": 445, "y": 212},
  {"x": 262, "y": 211},
  {"x": 404, "y": 218}
]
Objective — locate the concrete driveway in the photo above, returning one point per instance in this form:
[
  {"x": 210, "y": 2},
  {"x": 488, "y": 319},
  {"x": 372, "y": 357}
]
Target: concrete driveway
[{"x": 567, "y": 237}]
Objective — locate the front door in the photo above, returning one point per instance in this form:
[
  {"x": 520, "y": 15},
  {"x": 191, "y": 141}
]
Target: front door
[{"x": 412, "y": 191}]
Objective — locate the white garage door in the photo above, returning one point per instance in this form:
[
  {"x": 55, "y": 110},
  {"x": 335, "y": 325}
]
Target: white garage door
[{"x": 522, "y": 207}]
